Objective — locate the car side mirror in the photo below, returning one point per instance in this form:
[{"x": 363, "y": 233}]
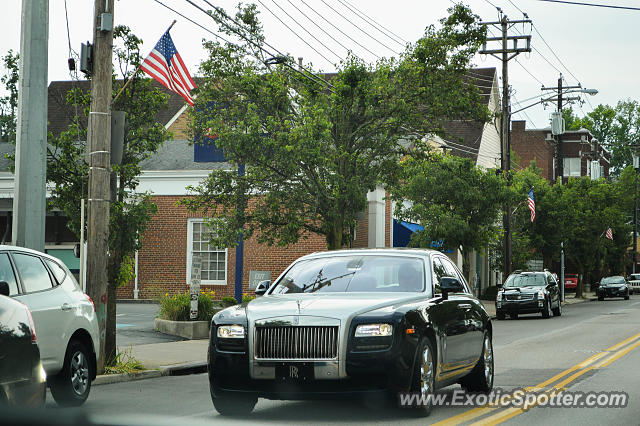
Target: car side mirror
[
  {"x": 450, "y": 285},
  {"x": 499, "y": 285},
  {"x": 4, "y": 288},
  {"x": 262, "y": 287}
]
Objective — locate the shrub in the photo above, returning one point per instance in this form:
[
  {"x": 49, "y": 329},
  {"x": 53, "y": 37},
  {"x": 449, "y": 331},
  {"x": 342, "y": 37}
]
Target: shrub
[
  {"x": 490, "y": 293},
  {"x": 246, "y": 297},
  {"x": 177, "y": 307},
  {"x": 228, "y": 301}
]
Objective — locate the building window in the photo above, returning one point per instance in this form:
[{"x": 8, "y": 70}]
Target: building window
[
  {"x": 214, "y": 260},
  {"x": 572, "y": 167}
]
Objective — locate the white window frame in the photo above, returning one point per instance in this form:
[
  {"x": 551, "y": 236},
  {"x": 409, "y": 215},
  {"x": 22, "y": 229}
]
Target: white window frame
[
  {"x": 569, "y": 171},
  {"x": 190, "y": 223}
]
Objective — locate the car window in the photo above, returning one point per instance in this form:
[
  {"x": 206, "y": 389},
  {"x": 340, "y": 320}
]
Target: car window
[
  {"x": 32, "y": 272},
  {"x": 353, "y": 274},
  {"x": 452, "y": 271},
  {"x": 7, "y": 274},
  {"x": 57, "y": 270},
  {"x": 438, "y": 273}
]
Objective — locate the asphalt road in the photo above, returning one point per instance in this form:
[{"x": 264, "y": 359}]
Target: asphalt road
[
  {"x": 528, "y": 352},
  {"x": 134, "y": 325}
]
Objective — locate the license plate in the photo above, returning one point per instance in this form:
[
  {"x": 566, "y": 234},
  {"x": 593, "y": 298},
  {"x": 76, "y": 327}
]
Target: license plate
[{"x": 296, "y": 372}]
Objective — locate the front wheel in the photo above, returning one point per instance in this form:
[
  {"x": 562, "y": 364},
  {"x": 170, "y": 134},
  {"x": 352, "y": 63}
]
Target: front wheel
[
  {"x": 601, "y": 298},
  {"x": 481, "y": 377},
  {"x": 558, "y": 311},
  {"x": 546, "y": 309},
  {"x": 500, "y": 315},
  {"x": 233, "y": 405},
  {"x": 71, "y": 386},
  {"x": 423, "y": 382}
]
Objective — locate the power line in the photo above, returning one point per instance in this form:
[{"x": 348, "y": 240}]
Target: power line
[
  {"x": 338, "y": 29},
  {"x": 373, "y": 23},
  {"x": 319, "y": 27},
  {"x": 554, "y": 53},
  {"x": 610, "y": 6},
  {"x": 361, "y": 30},
  {"x": 529, "y": 72},
  {"x": 523, "y": 111},
  {"x": 296, "y": 34}
]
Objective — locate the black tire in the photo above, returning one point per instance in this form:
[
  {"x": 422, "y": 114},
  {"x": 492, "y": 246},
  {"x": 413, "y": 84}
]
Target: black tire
[
  {"x": 231, "y": 404},
  {"x": 513, "y": 316},
  {"x": 423, "y": 382},
  {"x": 558, "y": 311},
  {"x": 71, "y": 386},
  {"x": 626, "y": 297},
  {"x": 500, "y": 315},
  {"x": 481, "y": 377},
  {"x": 601, "y": 298},
  {"x": 546, "y": 309}
]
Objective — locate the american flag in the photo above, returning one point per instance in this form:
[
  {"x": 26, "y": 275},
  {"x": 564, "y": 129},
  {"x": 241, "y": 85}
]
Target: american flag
[
  {"x": 165, "y": 65},
  {"x": 532, "y": 205},
  {"x": 609, "y": 234}
]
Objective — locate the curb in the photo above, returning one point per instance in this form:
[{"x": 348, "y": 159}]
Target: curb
[
  {"x": 145, "y": 301},
  {"x": 174, "y": 370}
]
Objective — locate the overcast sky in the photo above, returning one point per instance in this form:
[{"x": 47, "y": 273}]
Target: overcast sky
[{"x": 598, "y": 47}]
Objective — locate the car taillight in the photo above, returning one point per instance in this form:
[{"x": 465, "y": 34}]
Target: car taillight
[{"x": 91, "y": 300}]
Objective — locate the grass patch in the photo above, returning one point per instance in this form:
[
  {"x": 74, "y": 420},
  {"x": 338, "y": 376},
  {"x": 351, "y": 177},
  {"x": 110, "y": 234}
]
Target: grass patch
[{"x": 123, "y": 362}]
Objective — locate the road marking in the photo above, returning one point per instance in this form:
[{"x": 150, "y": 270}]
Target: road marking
[{"x": 583, "y": 366}]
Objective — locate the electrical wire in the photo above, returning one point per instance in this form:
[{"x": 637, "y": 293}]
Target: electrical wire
[
  {"x": 296, "y": 34},
  {"x": 372, "y": 23},
  {"x": 361, "y": 30},
  {"x": 339, "y": 30},
  {"x": 610, "y": 6}
]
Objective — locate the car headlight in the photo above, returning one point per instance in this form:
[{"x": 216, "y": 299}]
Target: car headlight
[
  {"x": 499, "y": 296},
  {"x": 540, "y": 294},
  {"x": 231, "y": 331},
  {"x": 374, "y": 330}
]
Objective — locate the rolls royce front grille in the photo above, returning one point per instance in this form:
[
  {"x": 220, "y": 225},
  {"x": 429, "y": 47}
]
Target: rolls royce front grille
[
  {"x": 297, "y": 342},
  {"x": 520, "y": 296}
]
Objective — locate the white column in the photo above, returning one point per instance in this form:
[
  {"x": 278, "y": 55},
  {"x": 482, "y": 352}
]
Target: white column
[{"x": 377, "y": 220}]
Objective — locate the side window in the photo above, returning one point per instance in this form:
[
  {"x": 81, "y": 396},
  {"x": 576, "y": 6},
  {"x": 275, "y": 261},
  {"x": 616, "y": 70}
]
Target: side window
[
  {"x": 438, "y": 273},
  {"x": 453, "y": 272},
  {"x": 57, "y": 270},
  {"x": 32, "y": 271},
  {"x": 6, "y": 274}
]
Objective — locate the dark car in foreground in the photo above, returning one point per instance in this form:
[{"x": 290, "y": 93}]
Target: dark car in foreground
[
  {"x": 615, "y": 286},
  {"x": 341, "y": 323},
  {"x": 529, "y": 293},
  {"x": 22, "y": 378}
]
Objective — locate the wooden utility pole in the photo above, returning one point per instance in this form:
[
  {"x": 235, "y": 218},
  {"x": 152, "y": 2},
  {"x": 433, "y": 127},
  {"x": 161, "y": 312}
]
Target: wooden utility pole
[
  {"x": 98, "y": 155},
  {"x": 506, "y": 53}
]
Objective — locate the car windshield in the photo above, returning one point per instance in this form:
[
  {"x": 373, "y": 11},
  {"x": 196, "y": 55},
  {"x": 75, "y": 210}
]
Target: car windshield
[
  {"x": 613, "y": 280},
  {"x": 634, "y": 277},
  {"x": 526, "y": 280},
  {"x": 341, "y": 274}
]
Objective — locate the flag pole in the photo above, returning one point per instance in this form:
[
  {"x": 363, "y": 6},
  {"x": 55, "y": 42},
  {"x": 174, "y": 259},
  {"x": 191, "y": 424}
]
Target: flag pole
[{"x": 138, "y": 67}]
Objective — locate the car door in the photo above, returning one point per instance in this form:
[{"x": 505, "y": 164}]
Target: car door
[
  {"x": 554, "y": 291},
  {"x": 449, "y": 316},
  {"x": 50, "y": 307}
]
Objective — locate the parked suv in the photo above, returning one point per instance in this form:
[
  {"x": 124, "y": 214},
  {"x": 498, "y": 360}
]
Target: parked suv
[
  {"x": 65, "y": 320},
  {"x": 528, "y": 293},
  {"x": 634, "y": 283}
]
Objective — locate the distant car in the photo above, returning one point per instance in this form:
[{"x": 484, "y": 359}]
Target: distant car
[
  {"x": 634, "y": 283},
  {"x": 570, "y": 281},
  {"x": 528, "y": 293},
  {"x": 615, "y": 286},
  {"x": 65, "y": 320},
  {"x": 352, "y": 322},
  {"x": 22, "y": 378}
]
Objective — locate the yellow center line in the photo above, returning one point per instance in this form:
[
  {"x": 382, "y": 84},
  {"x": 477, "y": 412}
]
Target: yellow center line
[{"x": 481, "y": 411}]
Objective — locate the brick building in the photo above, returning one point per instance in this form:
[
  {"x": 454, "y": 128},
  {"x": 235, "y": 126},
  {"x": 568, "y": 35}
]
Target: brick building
[{"x": 583, "y": 155}]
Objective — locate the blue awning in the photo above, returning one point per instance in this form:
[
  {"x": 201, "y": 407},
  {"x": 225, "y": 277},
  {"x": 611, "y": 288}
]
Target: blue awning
[{"x": 402, "y": 232}]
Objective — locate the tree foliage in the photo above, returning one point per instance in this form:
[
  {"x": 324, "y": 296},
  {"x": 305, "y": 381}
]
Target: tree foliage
[
  {"x": 454, "y": 200},
  {"x": 9, "y": 102},
  {"x": 312, "y": 151}
]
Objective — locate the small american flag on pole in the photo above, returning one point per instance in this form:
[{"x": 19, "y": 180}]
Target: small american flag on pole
[
  {"x": 532, "y": 205},
  {"x": 609, "y": 234},
  {"x": 166, "y": 66}
]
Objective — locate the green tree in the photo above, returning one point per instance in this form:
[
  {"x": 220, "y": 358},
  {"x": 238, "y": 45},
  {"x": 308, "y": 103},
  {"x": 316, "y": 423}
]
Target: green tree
[
  {"x": 312, "y": 152},
  {"x": 454, "y": 200},
  {"x": 9, "y": 102},
  {"x": 67, "y": 169}
]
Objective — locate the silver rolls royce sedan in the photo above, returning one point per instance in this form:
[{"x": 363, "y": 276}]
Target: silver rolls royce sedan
[{"x": 352, "y": 322}]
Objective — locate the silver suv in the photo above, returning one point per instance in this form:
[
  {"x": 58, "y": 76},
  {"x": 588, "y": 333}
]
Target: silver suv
[
  {"x": 65, "y": 320},
  {"x": 634, "y": 283}
]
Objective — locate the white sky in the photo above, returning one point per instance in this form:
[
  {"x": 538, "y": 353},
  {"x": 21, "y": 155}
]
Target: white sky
[{"x": 599, "y": 46}]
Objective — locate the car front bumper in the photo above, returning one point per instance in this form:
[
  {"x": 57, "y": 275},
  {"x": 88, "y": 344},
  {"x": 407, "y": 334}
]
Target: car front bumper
[
  {"x": 520, "y": 306},
  {"x": 613, "y": 292}
]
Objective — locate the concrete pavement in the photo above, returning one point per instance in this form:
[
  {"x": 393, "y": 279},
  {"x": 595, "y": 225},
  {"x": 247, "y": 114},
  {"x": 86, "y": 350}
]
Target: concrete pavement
[{"x": 190, "y": 356}]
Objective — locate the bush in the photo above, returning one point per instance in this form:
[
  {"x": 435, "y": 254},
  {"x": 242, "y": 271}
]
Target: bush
[
  {"x": 490, "y": 293},
  {"x": 246, "y": 297},
  {"x": 228, "y": 301},
  {"x": 177, "y": 307}
]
